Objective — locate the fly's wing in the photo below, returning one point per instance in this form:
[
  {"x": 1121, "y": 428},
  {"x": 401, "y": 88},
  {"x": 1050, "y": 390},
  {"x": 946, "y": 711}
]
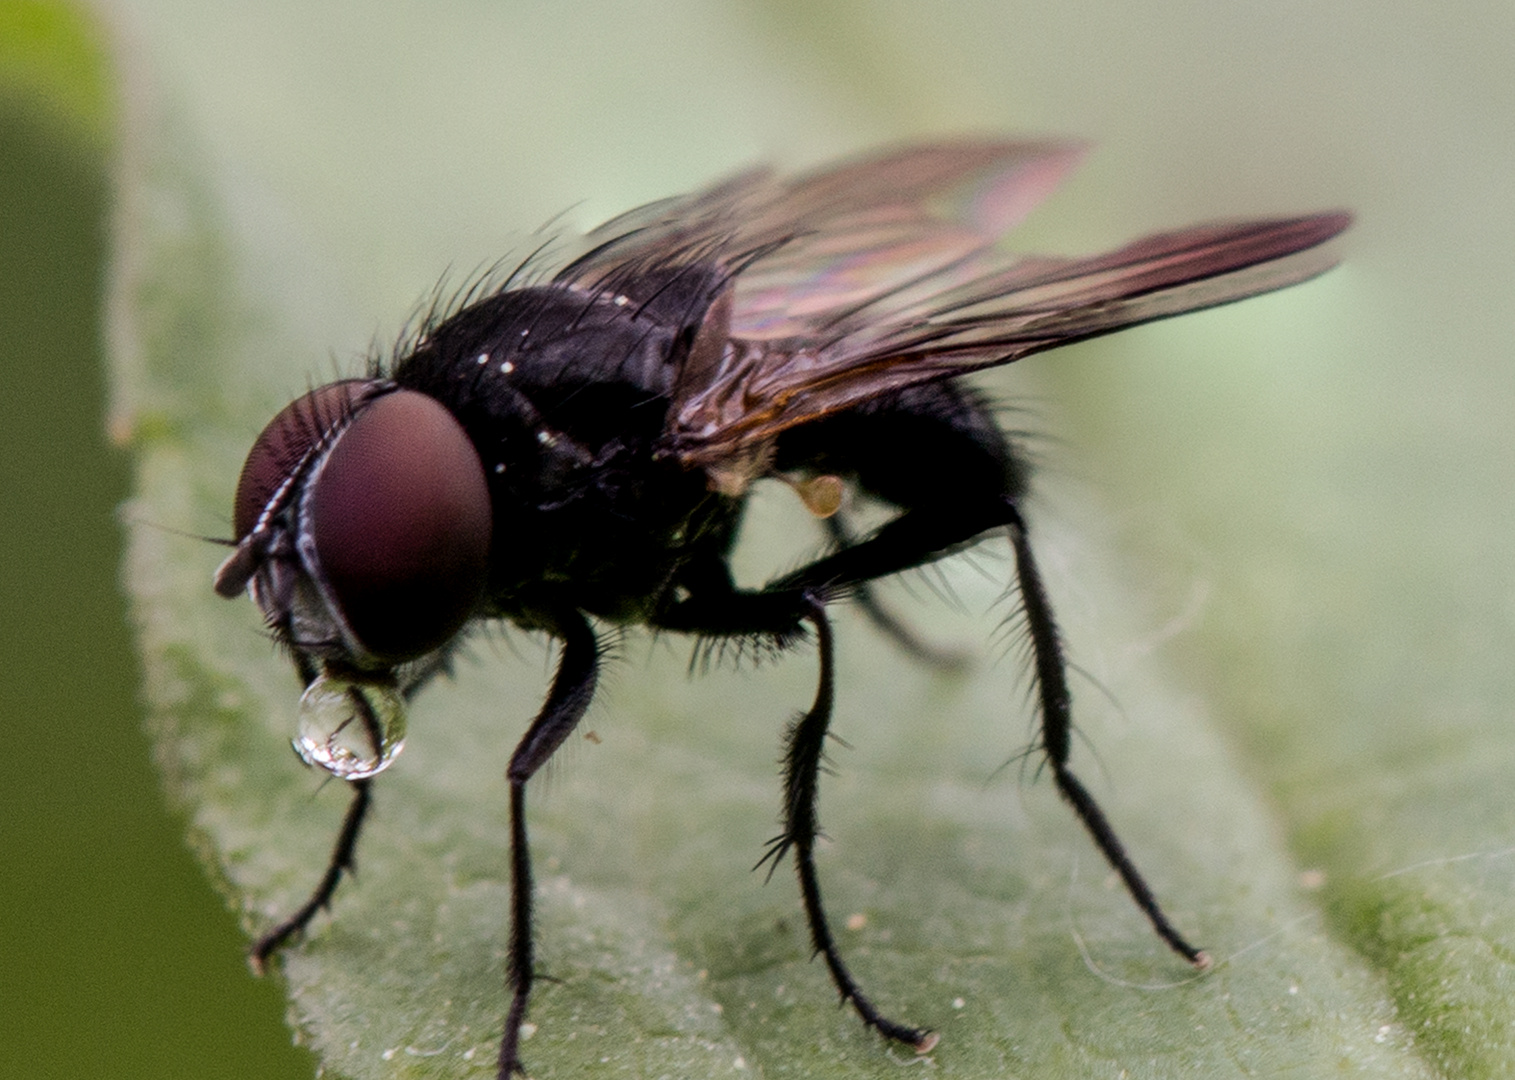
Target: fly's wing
[
  {"x": 825, "y": 290},
  {"x": 876, "y": 224},
  {"x": 827, "y": 322}
]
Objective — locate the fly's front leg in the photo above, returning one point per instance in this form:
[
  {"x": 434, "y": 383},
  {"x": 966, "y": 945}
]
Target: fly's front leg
[
  {"x": 343, "y": 852},
  {"x": 340, "y": 863},
  {"x": 572, "y": 688}
]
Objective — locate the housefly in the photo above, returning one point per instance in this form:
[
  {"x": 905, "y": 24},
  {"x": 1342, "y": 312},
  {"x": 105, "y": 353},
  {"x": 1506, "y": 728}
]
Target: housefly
[{"x": 572, "y": 451}]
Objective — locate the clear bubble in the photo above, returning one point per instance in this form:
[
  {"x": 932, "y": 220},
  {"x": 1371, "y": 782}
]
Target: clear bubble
[{"x": 350, "y": 728}]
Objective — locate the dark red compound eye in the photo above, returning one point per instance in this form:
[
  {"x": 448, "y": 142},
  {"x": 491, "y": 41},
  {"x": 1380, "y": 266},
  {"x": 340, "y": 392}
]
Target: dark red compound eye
[
  {"x": 291, "y": 435},
  {"x": 402, "y": 522}
]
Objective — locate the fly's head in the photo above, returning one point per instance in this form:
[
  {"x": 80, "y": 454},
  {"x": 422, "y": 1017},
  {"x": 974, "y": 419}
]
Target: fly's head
[{"x": 363, "y": 527}]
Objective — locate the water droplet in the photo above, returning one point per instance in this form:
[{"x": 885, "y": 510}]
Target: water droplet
[{"x": 350, "y": 728}]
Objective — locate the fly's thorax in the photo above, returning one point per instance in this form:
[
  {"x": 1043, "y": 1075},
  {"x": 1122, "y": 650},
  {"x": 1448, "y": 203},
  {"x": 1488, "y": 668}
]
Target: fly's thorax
[{"x": 608, "y": 538}]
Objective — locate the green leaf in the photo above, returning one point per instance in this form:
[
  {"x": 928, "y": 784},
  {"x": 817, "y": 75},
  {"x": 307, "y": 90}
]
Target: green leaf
[{"x": 1281, "y": 572}]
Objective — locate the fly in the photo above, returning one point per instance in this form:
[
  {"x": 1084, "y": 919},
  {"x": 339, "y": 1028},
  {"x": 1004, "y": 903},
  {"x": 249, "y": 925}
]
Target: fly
[{"x": 574, "y": 451}]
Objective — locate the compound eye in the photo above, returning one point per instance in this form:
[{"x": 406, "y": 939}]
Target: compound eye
[
  {"x": 286, "y": 442},
  {"x": 401, "y": 518}
]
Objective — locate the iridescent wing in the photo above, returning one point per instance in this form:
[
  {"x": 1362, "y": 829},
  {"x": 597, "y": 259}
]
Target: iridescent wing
[
  {"x": 807, "y": 246},
  {"x": 853, "y": 281},
  {"x": 973, "y": 315}
]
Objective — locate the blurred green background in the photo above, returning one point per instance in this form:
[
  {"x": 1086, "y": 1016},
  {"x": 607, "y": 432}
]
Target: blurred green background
[
  {"x": 115, "y": 958},
  {"x": 1312, "y": 495}
]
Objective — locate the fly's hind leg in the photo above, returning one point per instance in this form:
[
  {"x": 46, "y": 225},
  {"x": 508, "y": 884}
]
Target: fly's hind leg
[
  {"x": 935, "y": 451},
  {"x": 891, "y": 625},
  {"x": 1051, "y": 676}
]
